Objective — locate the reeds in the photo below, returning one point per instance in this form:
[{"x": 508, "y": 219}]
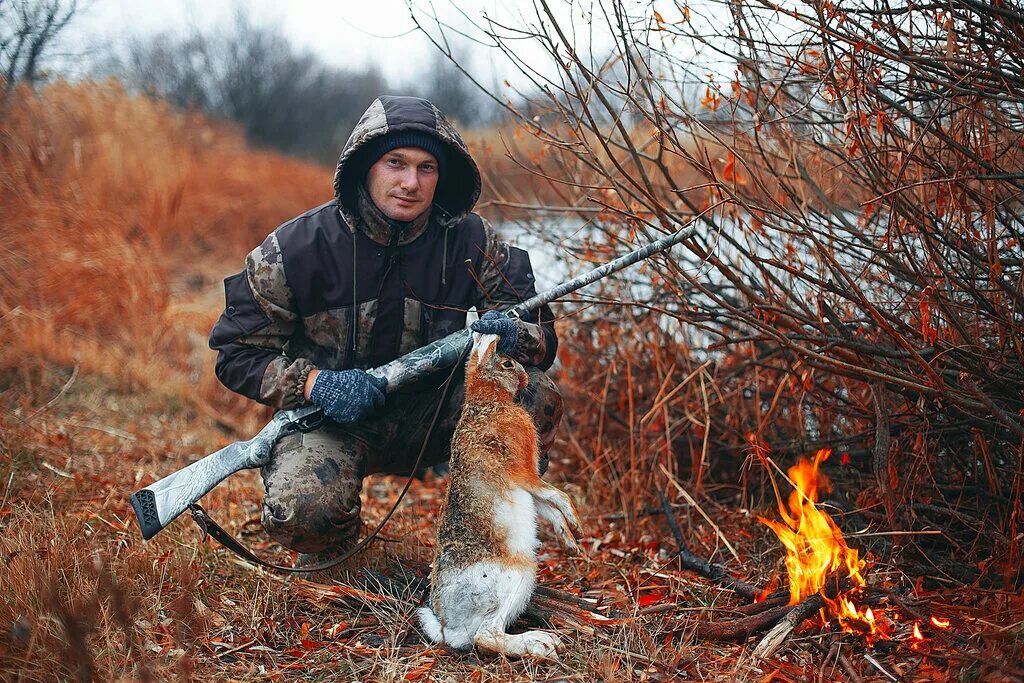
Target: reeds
[{"x": 112, "y": 202}]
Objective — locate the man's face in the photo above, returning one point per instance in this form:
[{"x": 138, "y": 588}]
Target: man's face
[{"x": 402, "y": 182}]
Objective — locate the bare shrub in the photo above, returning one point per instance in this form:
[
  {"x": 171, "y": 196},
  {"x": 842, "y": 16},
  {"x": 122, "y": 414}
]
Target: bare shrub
[{"x": 856, "y": 170}]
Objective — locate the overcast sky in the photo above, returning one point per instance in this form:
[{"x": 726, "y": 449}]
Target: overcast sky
[
  {"x": 344, "y": 33},
  {"x": 356, "y": 33},
  {"x": 338, "y": 31}
]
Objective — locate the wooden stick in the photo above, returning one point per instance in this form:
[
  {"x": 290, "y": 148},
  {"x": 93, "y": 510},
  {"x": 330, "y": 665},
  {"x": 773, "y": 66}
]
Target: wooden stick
[
  {"x": 771, "y": 643},
  {"x": 711, "y": 571},
  {"x": 740, "y": 629},
  {"x": 773, "y": 600},
  {"x": 696, "y": 505},
  {"x": 589, "y": 604}
]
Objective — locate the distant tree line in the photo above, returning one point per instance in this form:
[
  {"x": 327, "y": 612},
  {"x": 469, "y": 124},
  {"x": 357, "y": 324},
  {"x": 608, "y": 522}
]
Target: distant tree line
[
  {"x": 28, "y": 29},
  {"x": 282, "y": 97}
]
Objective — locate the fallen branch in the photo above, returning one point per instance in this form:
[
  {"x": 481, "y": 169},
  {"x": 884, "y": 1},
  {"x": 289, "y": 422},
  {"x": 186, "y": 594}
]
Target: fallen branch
[
  {"x": 741, "y": 629},
  {"x": 772, "y": 601},
  {"x": 709, "y": 570},
  {"x": 588, "y": 613},
  {"x": 589, "y": 604},
  {"x": 771, "y": 643},
  {"x": 810, "y": 605}
]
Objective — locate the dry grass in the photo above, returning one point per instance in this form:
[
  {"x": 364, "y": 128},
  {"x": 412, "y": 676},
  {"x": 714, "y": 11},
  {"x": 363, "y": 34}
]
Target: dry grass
[{"x": 119, "y": 218}]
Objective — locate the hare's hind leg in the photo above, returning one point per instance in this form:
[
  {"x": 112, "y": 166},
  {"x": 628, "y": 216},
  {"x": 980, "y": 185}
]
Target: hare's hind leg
[
  {"x": 557, "y": 509},
  {"x": 539, "y": 644},
  {"x": 430, "y": 624},
  {"x": 484, "y": 596},
  {"x": 515, "y": 590}
]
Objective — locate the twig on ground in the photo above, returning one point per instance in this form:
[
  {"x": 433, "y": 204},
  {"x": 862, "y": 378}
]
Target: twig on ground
[
  {"x": 848, "y": 668},
  {"x": 63, "y": 390},
  {"x": 238, "y": 648},
  {"x": 7, "y": 490},
  {"x": 774, "y": 600},
  {"x": 708, "y": 570},
  {"x": 771, "y": 643},
  {"x": 874, "y": 662},
  {"x": 589, "y": 604},
  {"x": 695, "y": 504},
  {"x": 835, "y": 652}
]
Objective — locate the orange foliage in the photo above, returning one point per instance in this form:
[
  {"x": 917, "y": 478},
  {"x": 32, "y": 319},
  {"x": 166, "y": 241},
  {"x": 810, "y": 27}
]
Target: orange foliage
[{"x": 120, "y": 217}]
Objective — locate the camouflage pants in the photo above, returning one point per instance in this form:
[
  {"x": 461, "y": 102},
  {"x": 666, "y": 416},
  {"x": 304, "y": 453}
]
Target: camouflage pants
[{"x": 313, "y": 480}]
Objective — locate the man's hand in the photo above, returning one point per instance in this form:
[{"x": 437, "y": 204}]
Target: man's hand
[
  {"x": 493, "y": 322},
  {"x": 347, "y": 396}
]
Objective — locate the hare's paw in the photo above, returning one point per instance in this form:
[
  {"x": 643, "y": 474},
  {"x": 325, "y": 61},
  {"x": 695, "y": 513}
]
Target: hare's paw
[
  {"x": 559, "y": 525},
  {"x": 569, "y": 511},
  {"x": 537, "y": 644},
  {"x": 560, "y": 505},
  {"x": 540, "y": 644}
]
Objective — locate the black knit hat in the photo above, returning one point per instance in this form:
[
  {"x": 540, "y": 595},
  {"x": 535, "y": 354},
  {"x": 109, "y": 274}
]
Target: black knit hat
[{"x": 378, "y": 147}]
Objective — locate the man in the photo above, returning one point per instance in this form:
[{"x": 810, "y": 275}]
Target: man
[{"x": 392, "y": 263}]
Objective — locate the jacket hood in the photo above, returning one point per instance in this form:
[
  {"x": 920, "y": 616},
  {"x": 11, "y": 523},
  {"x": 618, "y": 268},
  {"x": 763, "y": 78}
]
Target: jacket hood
[{"x": 457, "y": 190}]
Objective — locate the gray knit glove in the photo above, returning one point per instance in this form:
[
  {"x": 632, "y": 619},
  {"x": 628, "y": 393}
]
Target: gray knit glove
[
  {"x": 493, "y": 322},
  {"x": 348, "y": 396}
]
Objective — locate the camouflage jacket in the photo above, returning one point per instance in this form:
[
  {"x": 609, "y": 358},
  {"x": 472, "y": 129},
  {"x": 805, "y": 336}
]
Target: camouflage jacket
[{"x": 335, "y": 289}]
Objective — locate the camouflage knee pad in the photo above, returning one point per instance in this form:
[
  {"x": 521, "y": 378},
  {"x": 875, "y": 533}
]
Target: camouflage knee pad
[
  {"x": 312, "y": 488},
  {"x": 542, "y": 399}
]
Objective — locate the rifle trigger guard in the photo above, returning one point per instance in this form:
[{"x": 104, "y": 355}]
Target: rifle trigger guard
[
  {"x": 310, "y": 422},
  {"x": 304, "y": 424}
]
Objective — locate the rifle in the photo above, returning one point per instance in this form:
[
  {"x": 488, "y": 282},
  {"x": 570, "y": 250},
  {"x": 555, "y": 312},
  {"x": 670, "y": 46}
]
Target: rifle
[{"x": 160, "y": 503}]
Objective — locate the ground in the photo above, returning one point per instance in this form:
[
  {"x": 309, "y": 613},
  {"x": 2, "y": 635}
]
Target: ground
[{"x": 85, "y": 596}]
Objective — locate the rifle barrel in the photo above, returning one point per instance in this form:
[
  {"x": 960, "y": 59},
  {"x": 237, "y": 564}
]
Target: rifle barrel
[
  {"x": 580, "y": 281},
  {"x": 445, "y": 352}
]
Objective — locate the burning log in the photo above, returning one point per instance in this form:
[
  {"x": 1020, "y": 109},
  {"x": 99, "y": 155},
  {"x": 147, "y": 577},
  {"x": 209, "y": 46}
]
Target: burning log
[
  {"x": 810, "y": 606},
  {"x": 772, "y": 601},
  {"x": 822, "y": 570}
]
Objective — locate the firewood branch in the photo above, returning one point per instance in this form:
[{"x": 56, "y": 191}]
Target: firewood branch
[{"x": 709, "y": 570}]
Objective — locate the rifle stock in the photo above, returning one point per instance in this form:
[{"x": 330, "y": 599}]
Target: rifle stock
[{"x": 160, "y": 503}]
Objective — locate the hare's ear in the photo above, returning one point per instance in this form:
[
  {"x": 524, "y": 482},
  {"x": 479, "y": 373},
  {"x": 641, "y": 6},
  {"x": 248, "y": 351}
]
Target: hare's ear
[{"x": 484, "y": 346}]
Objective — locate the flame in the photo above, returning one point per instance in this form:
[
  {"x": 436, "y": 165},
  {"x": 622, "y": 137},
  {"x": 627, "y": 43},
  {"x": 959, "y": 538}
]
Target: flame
[
  {"x": 940, "y": 623},
  {"x": 815, "y": 548},
  {"x": 768, "y": 589},
  {"x": 917, "y": 631}
]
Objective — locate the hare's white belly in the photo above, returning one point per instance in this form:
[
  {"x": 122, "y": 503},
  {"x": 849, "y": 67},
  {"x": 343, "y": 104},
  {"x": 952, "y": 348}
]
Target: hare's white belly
[{"x": 515, "y": 514}]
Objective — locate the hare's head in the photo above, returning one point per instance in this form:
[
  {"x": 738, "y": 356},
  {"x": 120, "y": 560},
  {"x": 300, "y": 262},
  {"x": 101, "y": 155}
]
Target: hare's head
[{"x": 486, "y": 368}]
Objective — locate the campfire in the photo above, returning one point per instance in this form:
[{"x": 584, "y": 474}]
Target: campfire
[
  {"x": 826, "y": 578},
  {"x": 818, "y": 559}
]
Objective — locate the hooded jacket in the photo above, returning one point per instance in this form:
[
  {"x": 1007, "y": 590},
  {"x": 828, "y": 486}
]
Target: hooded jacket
[{"x": 331, "y": 290}]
